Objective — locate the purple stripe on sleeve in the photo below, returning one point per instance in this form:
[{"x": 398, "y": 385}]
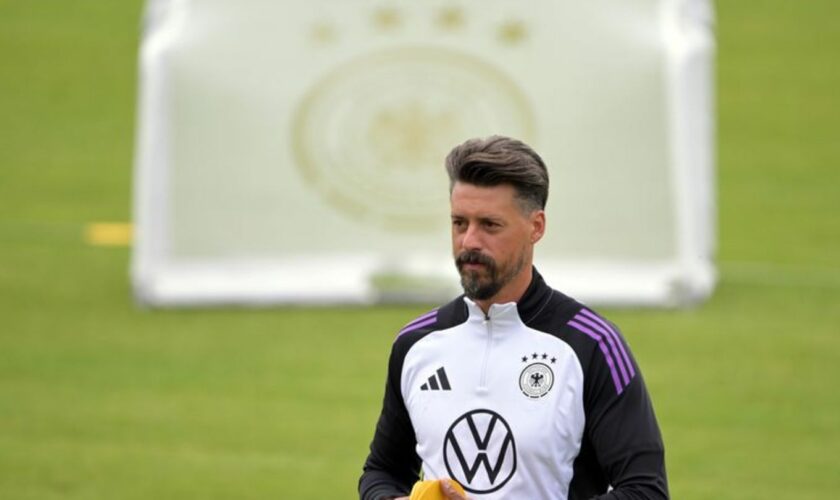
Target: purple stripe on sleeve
[
  {"x": 420, "y": 318},
  {"x": 611, "y": 341},
  {"x": 597, "y": 337},
  {"x": 417, "y": 326},
  {"x": 617, "y": 339}
]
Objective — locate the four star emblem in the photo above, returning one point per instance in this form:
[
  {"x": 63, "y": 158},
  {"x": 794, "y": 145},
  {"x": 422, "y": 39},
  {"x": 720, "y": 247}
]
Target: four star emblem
[{"x": 535, "y": 355}]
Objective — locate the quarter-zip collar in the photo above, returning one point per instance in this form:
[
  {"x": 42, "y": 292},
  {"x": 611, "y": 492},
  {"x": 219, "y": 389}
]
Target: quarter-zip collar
[
  {"x": 531, "y": 303},
  {"x": 502, "y": 316},
  {"x": 535, "y": 298}
]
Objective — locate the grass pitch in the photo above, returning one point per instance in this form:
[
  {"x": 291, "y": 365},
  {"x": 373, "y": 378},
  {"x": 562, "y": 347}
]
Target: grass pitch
[{"x": 100, "y": 400}]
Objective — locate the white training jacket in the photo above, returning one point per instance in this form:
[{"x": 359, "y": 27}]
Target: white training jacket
[{"x": 539, "y": 399}]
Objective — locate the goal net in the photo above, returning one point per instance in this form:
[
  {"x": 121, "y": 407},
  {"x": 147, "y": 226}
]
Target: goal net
[{"x": 292, "y": 152}]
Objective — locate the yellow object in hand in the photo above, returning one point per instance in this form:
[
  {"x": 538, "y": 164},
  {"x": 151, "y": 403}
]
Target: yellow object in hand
[{"x": 430, "y": 489}]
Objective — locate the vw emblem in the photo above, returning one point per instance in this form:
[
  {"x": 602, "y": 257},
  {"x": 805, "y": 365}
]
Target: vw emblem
[{"x": 480, "y": 452}]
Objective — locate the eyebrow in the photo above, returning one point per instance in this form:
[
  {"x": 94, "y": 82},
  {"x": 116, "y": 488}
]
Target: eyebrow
[{"x": 481, "y": 218}]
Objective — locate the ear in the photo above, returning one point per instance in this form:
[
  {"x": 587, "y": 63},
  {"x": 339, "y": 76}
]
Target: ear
[{"x": 537, "y": 221}]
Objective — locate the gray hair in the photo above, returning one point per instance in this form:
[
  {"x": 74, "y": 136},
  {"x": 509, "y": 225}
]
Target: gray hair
[{"x": 499, "y": 160}]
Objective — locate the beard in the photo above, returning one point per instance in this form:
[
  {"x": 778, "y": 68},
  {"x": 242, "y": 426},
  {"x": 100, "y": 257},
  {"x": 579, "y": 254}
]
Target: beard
[{"x": 483, "y": 285}]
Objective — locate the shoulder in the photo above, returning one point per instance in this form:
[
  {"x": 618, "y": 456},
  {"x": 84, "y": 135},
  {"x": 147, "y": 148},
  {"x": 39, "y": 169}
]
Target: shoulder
[
  {"x": 440, "y": 318},
  {"x": 608, "y": 349},
  {"x": 597, "y": 342}
]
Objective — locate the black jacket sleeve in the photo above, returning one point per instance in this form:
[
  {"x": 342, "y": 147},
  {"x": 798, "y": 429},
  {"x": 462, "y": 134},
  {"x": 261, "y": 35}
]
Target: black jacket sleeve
[
  {"x": 392, "y": 466},
  {"x": 622, "y": 430}
]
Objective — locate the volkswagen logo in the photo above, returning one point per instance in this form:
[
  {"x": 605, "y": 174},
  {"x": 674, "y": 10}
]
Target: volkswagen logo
[{"x": 480, "y": 452}]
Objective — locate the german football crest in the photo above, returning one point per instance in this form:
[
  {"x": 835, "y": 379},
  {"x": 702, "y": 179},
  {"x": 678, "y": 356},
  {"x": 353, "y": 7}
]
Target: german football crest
[{"x": 536, "y": 380}]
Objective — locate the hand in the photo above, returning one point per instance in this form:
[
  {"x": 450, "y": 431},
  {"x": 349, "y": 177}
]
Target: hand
[{"x": 450, "y": 492}]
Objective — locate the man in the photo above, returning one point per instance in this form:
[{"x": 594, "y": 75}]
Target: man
[{"x": 514, "y": 390}]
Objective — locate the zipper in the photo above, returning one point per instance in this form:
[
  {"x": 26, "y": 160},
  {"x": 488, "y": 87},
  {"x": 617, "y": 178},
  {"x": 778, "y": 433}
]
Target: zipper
[{"x": 482, "y": 384}]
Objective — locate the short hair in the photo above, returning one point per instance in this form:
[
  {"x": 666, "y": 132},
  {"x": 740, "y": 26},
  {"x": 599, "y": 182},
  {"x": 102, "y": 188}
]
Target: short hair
[{"x": 499, "y": 160}]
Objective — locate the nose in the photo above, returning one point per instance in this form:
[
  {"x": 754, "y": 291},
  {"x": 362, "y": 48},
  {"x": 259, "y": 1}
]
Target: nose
[{"x": 471, "y": 239}]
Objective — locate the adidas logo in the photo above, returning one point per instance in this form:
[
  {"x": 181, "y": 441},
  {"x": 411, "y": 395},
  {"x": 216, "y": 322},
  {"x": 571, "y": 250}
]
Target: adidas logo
[{"x": 437, "y": 382}]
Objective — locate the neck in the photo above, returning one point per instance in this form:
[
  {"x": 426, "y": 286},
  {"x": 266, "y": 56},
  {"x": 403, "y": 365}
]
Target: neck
[{"x": 511, "y": 292}]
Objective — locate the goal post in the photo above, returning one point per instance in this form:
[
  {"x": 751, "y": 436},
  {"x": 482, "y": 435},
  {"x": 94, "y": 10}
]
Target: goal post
[{"x": 292, "y": 153}]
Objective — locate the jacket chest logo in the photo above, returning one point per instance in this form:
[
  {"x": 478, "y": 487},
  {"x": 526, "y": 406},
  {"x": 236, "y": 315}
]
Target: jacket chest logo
[
  {"x": 479, "y": 451},
  {"x": 537, "y": 378},
  {"x": 437, "y": 382}
]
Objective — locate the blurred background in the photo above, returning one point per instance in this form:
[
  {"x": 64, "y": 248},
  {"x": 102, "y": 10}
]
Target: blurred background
[
  {"x": 100, "y": 398},
  {"x": 259, "y": 121}
]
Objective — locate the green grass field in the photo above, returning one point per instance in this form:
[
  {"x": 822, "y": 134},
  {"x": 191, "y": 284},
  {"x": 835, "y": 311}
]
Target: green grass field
[{"x": 101, "y": 400}]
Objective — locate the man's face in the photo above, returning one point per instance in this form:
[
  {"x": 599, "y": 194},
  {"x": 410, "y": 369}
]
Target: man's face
[{"x": 492, "y": 238}]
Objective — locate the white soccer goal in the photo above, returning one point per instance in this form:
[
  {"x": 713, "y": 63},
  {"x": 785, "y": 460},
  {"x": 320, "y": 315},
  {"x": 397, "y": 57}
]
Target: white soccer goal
[{"x": 292, "y": 152}]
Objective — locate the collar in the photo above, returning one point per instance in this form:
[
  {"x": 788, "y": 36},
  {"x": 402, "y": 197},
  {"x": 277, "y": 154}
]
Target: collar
[
  {"x": 535, "y": 298},
  {"x": 531, "y": 303}
]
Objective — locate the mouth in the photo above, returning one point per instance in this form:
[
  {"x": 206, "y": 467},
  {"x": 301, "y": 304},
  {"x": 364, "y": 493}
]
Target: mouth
[
  {"x": 474, "y": 263},
  {"x": 473, "y": 266}
]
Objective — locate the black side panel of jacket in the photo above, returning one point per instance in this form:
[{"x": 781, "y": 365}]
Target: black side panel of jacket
[
  {"x": 621, "y": 446},
  {"x": 625, "y": 437},
  {"x": 392, "y": 467}
]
